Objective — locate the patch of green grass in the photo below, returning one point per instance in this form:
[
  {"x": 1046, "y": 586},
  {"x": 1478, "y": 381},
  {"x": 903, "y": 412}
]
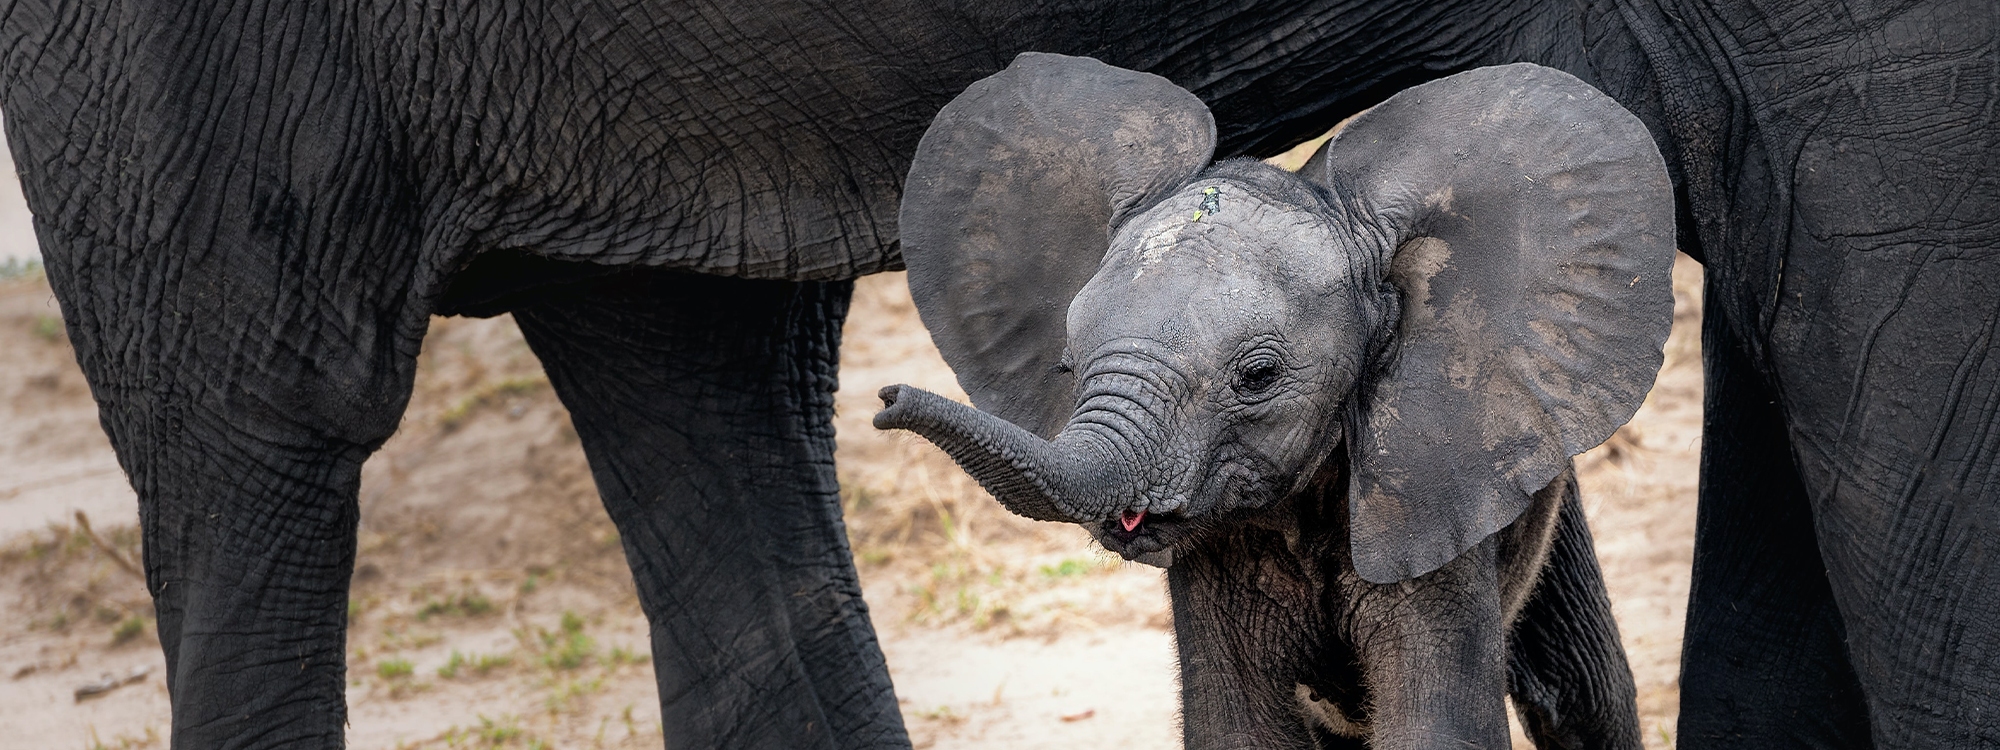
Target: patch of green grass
[
  {"x": 950, "y": 592},
  {"x": 619, "y": 655},
  {"x": 569, "y": 647},
  {"x": 466, "y": 604},
  {"x": 393, "y": 639},
  {"x": 391, "y": 669},
  {"x": 941, "y": 714},
  {"x": 479, "y": 664},
  {"x": 488, "y": 394},
  {"x": 48, "y": 327},
  {"x": 489, "y": 662},
  {"x": 452, "y": 665},
  {"x": 128, "y": 629},
  {"x": 123, "y": 741},
  {"x": 1070, "y": 568},
  {"x": 566, "y": 692},
  {"x": 505, "y": 732},
  {"x": 15, "y": 268},
  {"x": 498, "y": 733}
]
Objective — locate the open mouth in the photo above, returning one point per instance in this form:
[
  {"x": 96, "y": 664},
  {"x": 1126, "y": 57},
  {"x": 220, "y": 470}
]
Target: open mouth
[
  {"x": 1127, "y": 527},
  {"x": 1134, "y": 533},
  {"x": 1131, "y": 519}
]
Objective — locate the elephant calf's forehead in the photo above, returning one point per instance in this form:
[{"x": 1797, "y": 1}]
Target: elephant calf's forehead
[
  {"x": 1220, "y": 232},
  {"x": 1216, "y": 259},
  {"x": 1217, "y": 222}
]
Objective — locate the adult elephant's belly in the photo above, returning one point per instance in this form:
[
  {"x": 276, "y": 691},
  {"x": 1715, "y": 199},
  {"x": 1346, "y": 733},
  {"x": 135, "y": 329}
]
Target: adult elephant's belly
[
  {"x": 771, "y": 232},
  {"x": 815, "y": 226},
  {"x": 744, "y": 213},
  {"x": 771, "y": 145}
]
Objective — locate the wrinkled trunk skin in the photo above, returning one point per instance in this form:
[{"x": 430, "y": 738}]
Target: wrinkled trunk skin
[{"x": 1076, "y": 478}]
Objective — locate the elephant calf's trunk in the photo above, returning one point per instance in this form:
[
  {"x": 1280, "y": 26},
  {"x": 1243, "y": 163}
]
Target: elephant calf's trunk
[{"x": 1033, "y": 477}]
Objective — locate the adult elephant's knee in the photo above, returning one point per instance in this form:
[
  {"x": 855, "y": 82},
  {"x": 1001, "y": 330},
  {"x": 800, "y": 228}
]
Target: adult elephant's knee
[
  {"x": 245, "y": 450},
  {"x": 705, "y": 406},
  {"x": 248, "y": 523}
]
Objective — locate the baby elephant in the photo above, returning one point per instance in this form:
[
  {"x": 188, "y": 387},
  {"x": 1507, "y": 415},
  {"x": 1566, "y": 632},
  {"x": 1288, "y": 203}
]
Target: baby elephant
[{"x": 1338, "y": 406}]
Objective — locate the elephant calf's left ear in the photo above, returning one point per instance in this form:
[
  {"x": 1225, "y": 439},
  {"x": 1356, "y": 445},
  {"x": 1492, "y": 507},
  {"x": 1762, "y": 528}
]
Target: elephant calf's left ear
[{"x": 1533, "y": 224}]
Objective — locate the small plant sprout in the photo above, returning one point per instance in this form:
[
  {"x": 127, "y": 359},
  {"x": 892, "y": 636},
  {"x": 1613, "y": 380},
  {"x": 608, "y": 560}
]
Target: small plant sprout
[
  {"x": 391, "y": 669},
  {"x": 128, "y": 629}
]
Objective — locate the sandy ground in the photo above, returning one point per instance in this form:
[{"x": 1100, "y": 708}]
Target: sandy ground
[
  {"x": 492, "y": 608},
  {"x": 17, "y": 236}
]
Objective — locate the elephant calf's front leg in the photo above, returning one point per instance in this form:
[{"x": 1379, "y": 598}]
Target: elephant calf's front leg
[
  {"x": 1243, "y": 607},
  {"x": 1431, "y": 655}
]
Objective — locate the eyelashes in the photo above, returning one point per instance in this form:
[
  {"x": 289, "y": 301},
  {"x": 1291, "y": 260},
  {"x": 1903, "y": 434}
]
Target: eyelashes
[{"x": 1258, "y": 375}]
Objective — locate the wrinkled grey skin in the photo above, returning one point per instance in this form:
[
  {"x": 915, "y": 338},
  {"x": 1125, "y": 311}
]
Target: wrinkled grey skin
[
  {"x": 1217, "y": 357},
  {"x": 250, "y": 210},
  {"x": 1168, "y": 382},
  {"x": 1239, "y": 334}
]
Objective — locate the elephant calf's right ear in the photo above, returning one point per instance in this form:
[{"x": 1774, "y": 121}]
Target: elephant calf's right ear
[{"x": 1010, "y": 205}]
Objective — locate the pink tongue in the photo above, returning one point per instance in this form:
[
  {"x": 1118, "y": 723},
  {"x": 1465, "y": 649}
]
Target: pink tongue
[{"x": 1132, "y": 519}]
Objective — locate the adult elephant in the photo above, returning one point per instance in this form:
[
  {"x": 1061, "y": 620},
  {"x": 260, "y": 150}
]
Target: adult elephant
[{"x": 249, "y": 209}]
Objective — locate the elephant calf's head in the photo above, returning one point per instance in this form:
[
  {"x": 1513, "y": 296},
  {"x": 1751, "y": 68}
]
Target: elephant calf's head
[
  {"x": 1214, "y": 349},
  {"x": 1463, "y": 289}
]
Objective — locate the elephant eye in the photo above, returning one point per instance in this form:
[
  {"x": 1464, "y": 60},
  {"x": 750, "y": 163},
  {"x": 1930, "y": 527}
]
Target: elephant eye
[{"x": 1258, "y": 375}]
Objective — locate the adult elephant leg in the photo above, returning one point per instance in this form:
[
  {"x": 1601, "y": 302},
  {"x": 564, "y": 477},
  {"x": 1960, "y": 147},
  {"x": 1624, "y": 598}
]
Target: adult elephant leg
[
  {"x": 232, "y": 228},
  {"x": 249, "y": 537},
  {"x": 1854, "y": 266},
  {"x": 705, "y": 406},
  {"x": 1763, "y": 659},
  {"x": 1892, "y": 386},
  {"x": 1566, "y": 670},
  {"x": 243, "y": 430}
]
